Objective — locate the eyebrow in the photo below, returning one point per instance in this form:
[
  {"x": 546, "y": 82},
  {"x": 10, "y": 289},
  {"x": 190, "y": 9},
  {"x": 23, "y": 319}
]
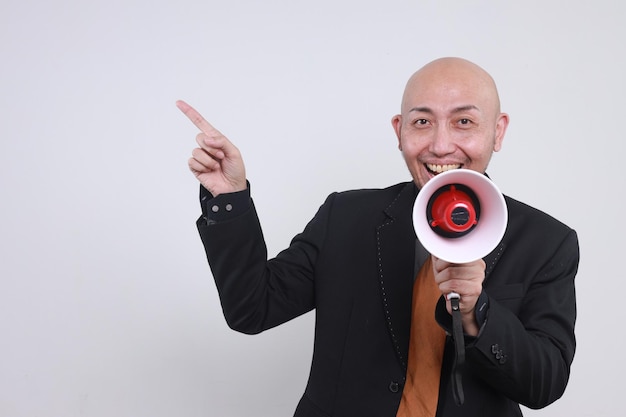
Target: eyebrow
[{"x": 459, "y": 109}]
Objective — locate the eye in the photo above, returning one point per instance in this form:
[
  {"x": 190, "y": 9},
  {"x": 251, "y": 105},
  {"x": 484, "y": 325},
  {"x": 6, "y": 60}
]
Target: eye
[
  {"x": 465, "y": 123},
  {"x": 421, "y": 122}
]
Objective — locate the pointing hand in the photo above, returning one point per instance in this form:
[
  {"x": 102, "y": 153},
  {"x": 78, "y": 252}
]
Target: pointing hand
[{"x": 217, "y": 163}]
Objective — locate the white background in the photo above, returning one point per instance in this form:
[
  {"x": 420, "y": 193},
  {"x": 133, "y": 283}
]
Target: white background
[{"x": 107, "y": 305}]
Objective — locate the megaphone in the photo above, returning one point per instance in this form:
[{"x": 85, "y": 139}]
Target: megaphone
[{"x": 460, "y": 216}]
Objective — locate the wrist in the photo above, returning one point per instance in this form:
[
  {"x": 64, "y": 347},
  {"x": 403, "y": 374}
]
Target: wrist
[
  {"x": 470, "y": 326},
  {"x": 216, "y": 208}
]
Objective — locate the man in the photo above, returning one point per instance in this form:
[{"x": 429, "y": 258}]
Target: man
[{"x": 378, "y": 349}]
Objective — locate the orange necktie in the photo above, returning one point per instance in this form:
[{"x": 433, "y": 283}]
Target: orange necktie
[{"x": 426, "y": 344}]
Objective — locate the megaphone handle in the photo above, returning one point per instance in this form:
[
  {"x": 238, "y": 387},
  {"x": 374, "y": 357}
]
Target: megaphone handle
[
  {"x": 459, "y": 344},
  {"x": 452, "y": 295}
]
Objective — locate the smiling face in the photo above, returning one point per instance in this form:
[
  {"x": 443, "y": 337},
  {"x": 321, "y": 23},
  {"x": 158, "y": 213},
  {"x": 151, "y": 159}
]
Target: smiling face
[{"x": 450, "y": 118}]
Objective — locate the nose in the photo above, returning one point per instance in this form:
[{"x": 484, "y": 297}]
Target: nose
[{"x": 442, "y": 142}]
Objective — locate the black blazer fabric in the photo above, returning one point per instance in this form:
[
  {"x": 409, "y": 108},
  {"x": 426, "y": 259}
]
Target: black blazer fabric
[{"x": 354, "y": 264}]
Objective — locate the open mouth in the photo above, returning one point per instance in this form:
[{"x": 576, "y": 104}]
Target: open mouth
[{"x": 438, "y": 168}]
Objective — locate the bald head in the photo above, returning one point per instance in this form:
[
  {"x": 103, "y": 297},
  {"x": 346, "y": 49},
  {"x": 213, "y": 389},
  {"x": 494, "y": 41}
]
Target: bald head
[
  {"x": 449, "y": 76},
  {"x": 450, "y": 119}
]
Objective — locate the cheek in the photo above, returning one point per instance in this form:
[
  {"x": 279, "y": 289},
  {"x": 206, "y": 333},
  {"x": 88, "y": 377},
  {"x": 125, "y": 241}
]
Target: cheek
[
  {"x": 480, "y": 154},
  {"x": 411, "y": 147},
  {"x": 410, "y": 154}
]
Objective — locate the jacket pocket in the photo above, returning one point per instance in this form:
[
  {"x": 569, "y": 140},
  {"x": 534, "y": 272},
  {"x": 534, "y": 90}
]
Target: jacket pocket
[
  {"x": 509, "y": 296},
  {"x": 506, "y": 292}
]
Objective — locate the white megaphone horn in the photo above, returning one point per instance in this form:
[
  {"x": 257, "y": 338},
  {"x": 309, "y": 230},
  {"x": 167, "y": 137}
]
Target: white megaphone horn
[{"x": 460, "y": 216}]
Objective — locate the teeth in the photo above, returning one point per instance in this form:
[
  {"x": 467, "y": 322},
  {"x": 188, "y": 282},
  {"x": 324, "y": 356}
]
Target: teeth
[{"x": 442, "y": 168}]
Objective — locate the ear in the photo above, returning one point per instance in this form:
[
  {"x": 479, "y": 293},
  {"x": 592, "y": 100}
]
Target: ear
[
  {"x": 501, "y": 124},
  {"x": 396, "y": 122}
]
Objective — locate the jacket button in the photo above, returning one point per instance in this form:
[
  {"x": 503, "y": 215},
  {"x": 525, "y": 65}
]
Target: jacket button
[
  {"x": 394, "y": 387},
  {"x": 499, "y": 354}
]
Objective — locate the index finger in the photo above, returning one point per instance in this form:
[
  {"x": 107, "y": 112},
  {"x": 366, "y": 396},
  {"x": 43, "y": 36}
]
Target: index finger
[{"x": 197, "y": 119}]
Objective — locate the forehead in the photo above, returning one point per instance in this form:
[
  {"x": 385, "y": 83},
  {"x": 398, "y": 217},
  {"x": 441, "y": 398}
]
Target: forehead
[
  {"x": 451, "y": 109},
  {"x": 449, "y": 90}
]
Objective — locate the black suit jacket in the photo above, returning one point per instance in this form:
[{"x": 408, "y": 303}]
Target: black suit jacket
[{"x": 354, "y": 264}]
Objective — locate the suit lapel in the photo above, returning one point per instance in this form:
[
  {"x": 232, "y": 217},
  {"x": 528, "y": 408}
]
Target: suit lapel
[{"x": 396, "y": 250}]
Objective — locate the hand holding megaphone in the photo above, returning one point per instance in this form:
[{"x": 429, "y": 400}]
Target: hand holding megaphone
[{"x": 459, "y": 217}]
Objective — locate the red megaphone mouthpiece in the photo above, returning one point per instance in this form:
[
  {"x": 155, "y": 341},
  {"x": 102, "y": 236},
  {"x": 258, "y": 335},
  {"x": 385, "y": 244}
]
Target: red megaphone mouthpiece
[{"x": 453, "y": 210}]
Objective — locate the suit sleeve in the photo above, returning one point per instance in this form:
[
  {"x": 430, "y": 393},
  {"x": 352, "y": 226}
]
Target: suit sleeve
[
  {"x": 525, "y": 352},
  {"x": 256, "y": 293}
]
